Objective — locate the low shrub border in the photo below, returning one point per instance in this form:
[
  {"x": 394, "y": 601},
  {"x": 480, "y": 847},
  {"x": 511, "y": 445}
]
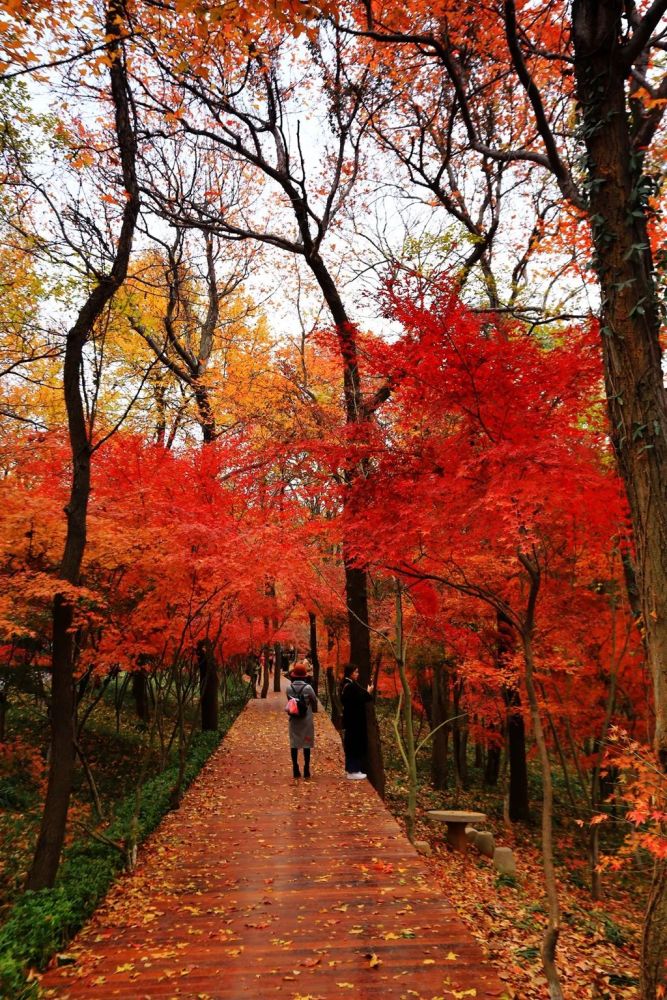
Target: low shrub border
[{"x": 40, "y": 923}]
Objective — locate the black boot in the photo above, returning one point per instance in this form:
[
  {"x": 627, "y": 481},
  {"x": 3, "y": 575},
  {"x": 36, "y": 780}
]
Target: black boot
[
  {"x": 306, "y": 763},
  {"x": 295, "y": 764}
]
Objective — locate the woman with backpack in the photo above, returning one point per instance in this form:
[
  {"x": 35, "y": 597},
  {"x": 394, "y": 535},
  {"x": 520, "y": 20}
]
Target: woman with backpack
[
  {"x": 301, "y": 703},
  {"x": 355, "y": 740}
]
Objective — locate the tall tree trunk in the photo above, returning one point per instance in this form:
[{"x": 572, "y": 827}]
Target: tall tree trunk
[
  {"x": 460, "y": 737},
  {"x": 492, "y": 768},
  {"x": 552, "y": 933},
  {"x": 654, "y": 967},
  {"x": 54, "y": 817},
  {"x": 265, "y": 676},
  {"x": 631, "y": 349},
  {"x": 334, "y": 699},
  {"x": 356, "y": 592},
  {"x": 3, "y": 710},
  {"x": 51, "y": 836},
  {"x": 160, "y": 400},
  {"x": 519, "y": 805},
  {"x": 277, "y": 660},
  {"x": 356, "y": 581},
  {"x": 312, "y": 628},
  {"x": 206, "y": 418},
  {"x": 440, "y": 712},
  {"x": 208, "y": 686},
  {"x": 550, "y": 940},
  {"x": 278, "y": 669},
  {"x": 270, "y": 591},
  {"x": 406, "y": 743},
  {"x": 618, "y": 192},
  {"x": 140, "y": 692},
  {"x": 479, "y": 756}
]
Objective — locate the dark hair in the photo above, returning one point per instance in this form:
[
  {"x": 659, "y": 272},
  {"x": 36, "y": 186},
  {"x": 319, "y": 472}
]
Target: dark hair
[{"x": 349, "y": 669}]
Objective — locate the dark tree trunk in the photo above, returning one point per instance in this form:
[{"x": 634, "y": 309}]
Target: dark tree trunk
[
  {"x": 492, "y": 769},
  {"x": 618, "y": 192},
  {"x": 208, "y": 686},
  {"x": 356, "y": 582},
  {"x": 440, "y": 741},
  {"x": 265, "y": 676},
  {"x": 312, "y": 625},
  {"x": 160, "y": 397},
  {"x": 654, "y": 969},
  {"x": 3, "y": 713},
  {"x": 461, "y": 756},
  {"x": 479, "y": 755},
  {"x": 460, "y": 737},
  {"x": 374, "y": 763},
  {"x": 54, "y": 817},
  {"x": 206, "y": 417},
  {"x": 277, "y": 655},
  {"x": 278, "y": 668},
  {"x": 356, "y": 592},
  {"x": 636, "y": 398},
  {"x": 334, "y": 700},
  {"x": 140, "y": 692},
  {"x": 356, "y": 589},
  {"x": 519, "y": 806},
  {"x": 265, "y": 680},
  {"x": 426, "y": 698}
]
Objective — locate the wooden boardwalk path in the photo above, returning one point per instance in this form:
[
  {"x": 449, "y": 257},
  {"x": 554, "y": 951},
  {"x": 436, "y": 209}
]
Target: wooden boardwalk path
[{"x": 262, "y": 886}]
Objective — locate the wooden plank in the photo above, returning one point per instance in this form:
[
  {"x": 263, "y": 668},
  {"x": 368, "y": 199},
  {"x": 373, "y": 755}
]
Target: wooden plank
[{"x": 262, "y": 886}]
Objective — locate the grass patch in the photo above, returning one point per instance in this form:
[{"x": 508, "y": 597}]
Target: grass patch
[{"x": 506, "y": 881}]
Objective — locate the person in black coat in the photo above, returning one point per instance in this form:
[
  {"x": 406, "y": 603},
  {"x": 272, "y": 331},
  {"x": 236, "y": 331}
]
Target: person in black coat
[{"x": 355, "y": 739}]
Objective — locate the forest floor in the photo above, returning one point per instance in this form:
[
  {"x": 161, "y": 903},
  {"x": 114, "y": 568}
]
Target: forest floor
[
  {"x": 598, "y": 950},
  {"x": 115, "y": 744},
  {"x": 261, "y": 885},
  {"x": 111, "y": 741}
]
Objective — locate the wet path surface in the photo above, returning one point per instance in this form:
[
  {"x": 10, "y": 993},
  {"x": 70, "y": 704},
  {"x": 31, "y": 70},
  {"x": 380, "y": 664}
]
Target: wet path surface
[{"x": 262, "y": 886}]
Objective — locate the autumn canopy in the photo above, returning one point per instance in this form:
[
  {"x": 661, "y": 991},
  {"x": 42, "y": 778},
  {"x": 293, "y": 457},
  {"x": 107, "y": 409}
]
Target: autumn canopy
[{"x": 338, "y": 327}]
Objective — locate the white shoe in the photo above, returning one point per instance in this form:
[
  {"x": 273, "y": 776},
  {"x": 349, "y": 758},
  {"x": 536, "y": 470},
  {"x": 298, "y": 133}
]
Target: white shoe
[{"x": 356, "y": 775}]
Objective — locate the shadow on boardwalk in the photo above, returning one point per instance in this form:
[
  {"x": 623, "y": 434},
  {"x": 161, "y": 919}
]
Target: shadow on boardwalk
[{"x": 262, "y": 886}]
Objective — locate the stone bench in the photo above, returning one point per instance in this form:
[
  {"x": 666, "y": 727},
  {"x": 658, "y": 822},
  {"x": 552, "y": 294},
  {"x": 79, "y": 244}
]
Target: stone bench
[
  {"x": 483, "y": 840},
  {"x": 456, "y": 825},
  {"x": 504, "y": 860}
]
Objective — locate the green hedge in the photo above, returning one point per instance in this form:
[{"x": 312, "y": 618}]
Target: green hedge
[{"x": 41, "y": 923}]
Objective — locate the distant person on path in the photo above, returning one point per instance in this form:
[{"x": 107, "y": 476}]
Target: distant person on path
[
  {"x": 301, "y": 729},
  {"x": 355, "y": 740}
]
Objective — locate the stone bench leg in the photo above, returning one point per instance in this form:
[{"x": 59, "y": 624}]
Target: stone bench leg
[{"x": 456, "y": 837}]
